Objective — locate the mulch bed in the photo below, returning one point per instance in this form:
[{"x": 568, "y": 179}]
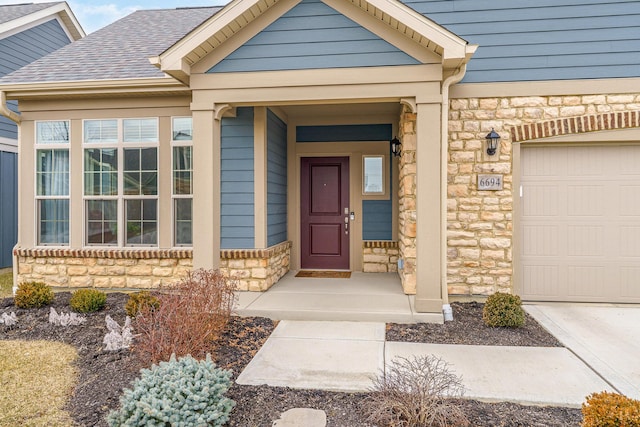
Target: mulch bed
[
  {"x": 103, "y": 375},
  {"x": 468, "y": 328}
]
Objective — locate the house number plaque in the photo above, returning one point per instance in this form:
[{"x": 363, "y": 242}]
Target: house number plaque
[{"x": 490, "y": 182}]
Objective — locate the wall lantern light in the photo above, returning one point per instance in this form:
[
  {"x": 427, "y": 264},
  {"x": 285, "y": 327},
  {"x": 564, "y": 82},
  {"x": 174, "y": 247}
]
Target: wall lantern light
[
  {"x": 492, "y": 142},
  {"x": 396, "y": 147}
]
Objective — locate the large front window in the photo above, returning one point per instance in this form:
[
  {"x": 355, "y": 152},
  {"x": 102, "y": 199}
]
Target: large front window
[
  {"x": 121, "y": 182},
  {"x": 52, "y": 182}
]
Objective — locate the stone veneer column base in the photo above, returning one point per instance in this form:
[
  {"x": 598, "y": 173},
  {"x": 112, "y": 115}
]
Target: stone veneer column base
[
  {"x": 407, "y": 214},
  {"x": 379, "y": 256},
  {"x": 103, "y": 268},
  {"x": 256, "y": 269}
]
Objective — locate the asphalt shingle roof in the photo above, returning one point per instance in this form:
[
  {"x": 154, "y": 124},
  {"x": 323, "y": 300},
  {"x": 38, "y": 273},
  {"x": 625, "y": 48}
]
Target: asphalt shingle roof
[
  {"x": 14, "y": 11},
  {"x": 118, "y": 51}
]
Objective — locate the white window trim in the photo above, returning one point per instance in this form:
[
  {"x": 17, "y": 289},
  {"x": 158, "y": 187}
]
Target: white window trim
[
  {"x": 120, "y": 146},
  {"x": 49, "y": 146},
  {"x": 383, "y": 177}
]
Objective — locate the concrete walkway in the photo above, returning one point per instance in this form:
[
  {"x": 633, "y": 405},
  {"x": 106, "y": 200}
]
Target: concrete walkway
[
  {"x": 344, "y": 356},
  {"x": 605, "y": 337}
]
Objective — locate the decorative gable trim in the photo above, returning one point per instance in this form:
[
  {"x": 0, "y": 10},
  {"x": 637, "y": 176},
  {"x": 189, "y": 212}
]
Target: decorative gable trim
[
  {"x": 239, "y": 14},
  {"x": 60, "y": 11}
]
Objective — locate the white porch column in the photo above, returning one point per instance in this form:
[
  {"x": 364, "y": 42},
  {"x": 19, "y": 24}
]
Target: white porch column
[
  {"x": 206, "y": 188},
  {"x": 428, "y": 288}
]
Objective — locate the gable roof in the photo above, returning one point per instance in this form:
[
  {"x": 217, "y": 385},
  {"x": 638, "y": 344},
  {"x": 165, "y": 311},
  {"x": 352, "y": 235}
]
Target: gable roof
[
  {"x": 238, "y": 14},
  {"x": 14, "y": 11},
  {"x": 119, "y": 51},
  {"x": 15, "y": 17}
]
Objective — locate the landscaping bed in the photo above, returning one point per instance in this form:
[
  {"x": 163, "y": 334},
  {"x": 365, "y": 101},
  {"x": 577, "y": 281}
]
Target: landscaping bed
[{"x": 103, "y": 375}]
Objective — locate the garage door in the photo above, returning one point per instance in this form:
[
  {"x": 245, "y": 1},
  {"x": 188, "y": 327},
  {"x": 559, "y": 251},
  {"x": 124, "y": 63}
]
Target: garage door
[{"x": 580, "y": 223}]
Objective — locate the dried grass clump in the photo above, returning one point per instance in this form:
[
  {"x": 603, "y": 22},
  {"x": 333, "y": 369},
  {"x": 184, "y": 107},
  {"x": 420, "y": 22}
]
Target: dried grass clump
[
  {"x": 610, "y": 410},
  {"x": 416, "y": 392},
  {"x": 190, "y": 317}
]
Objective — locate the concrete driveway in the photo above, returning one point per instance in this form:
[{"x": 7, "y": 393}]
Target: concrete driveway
[{"x": 605, "y": 337}]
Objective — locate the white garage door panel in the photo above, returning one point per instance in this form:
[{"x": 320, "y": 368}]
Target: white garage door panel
[{"x": 580, "y": 223}]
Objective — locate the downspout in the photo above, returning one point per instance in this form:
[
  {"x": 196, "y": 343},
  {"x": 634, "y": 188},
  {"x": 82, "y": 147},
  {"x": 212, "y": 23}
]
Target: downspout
[
  {"x": 444, "y": 161},
  {"x": 5, "y": 111},
  {"x": 11, "y": 115}
]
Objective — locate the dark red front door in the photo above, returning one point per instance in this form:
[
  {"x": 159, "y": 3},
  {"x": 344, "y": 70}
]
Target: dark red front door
[{"x": 324, "y": 205}]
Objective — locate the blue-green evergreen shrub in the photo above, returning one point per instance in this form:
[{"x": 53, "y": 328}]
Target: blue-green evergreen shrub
[{"x": 183, "y": 392}]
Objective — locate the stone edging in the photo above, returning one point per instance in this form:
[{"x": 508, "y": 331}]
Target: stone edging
[
  {"x": 573, "y": 125},
  {"x": 105, "y": 253},
  {"x": 255, "y": 253}
]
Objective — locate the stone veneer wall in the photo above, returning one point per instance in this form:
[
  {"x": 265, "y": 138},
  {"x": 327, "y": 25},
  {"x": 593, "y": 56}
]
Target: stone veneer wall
[
  {"x": 108, "y": 268},
  {"x": 256, "y": 269},
  {"x": 407, "y": 201},
  {"x": 480, "y": 223},
  {"x": 379, "y": 256},
  {"x": 253, "y": 270}
]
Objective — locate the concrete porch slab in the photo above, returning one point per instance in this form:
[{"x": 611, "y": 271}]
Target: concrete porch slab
[
  {"x": 527, "y": 375},
  {"x": 341, "y": 356},
  {"x": 605, "y": 337},
  {"x": 365, "y": 297}
]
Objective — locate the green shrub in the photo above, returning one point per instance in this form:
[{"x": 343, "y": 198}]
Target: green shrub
[
  {"x": 610, "y": 410},
  {"x": 33, "y": 295},
  {"x": 503, "y": 310},
  {"x": 88, "y": 300},
  {"x": 183, "y": 392},
  {"x": 140, "y": 301}
]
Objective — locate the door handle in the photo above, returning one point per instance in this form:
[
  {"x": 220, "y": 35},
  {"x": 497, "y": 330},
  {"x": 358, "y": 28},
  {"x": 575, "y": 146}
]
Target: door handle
[{"x": 346, "y": 225}]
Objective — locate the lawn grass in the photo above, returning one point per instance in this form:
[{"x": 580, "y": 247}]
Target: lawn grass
[
  {"x": 6, "y": 284},
  {"x": 36, "y": 379}
]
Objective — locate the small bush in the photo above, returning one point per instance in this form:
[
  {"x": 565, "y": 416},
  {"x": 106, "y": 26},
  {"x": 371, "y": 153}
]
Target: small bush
[
  {"x": 191, "y": 315},
  {"x": 414, "y": 392},
  {"x": 610, "y": 410},
  {"x": 88, "y": 300},
  {"x": 33, "y": 295},
  {"x": 181, "y": 392},
  {"x": 140, "y": 301},
  {"x": 503, "y": 310}
]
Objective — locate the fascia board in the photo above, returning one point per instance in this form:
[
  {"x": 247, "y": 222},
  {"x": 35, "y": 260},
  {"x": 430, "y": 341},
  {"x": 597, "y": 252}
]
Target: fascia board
[
  {"x": 17, "y": 90},
  {"x": 172, "y": 57},
  {"x": 453, "y": 45},
  {"x": 28, "y": 21}
]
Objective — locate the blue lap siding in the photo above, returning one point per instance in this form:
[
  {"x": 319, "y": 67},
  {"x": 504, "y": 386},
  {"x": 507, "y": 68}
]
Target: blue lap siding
[
  {"x": 237, "y": 175},
  {"x": 8, "y": 207},
  {"x": 276, "y": 180},
  {"x": 312, "y": 35},
  {"x": 21, "y": 49},
  {"x": 528, "y": 40}
]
